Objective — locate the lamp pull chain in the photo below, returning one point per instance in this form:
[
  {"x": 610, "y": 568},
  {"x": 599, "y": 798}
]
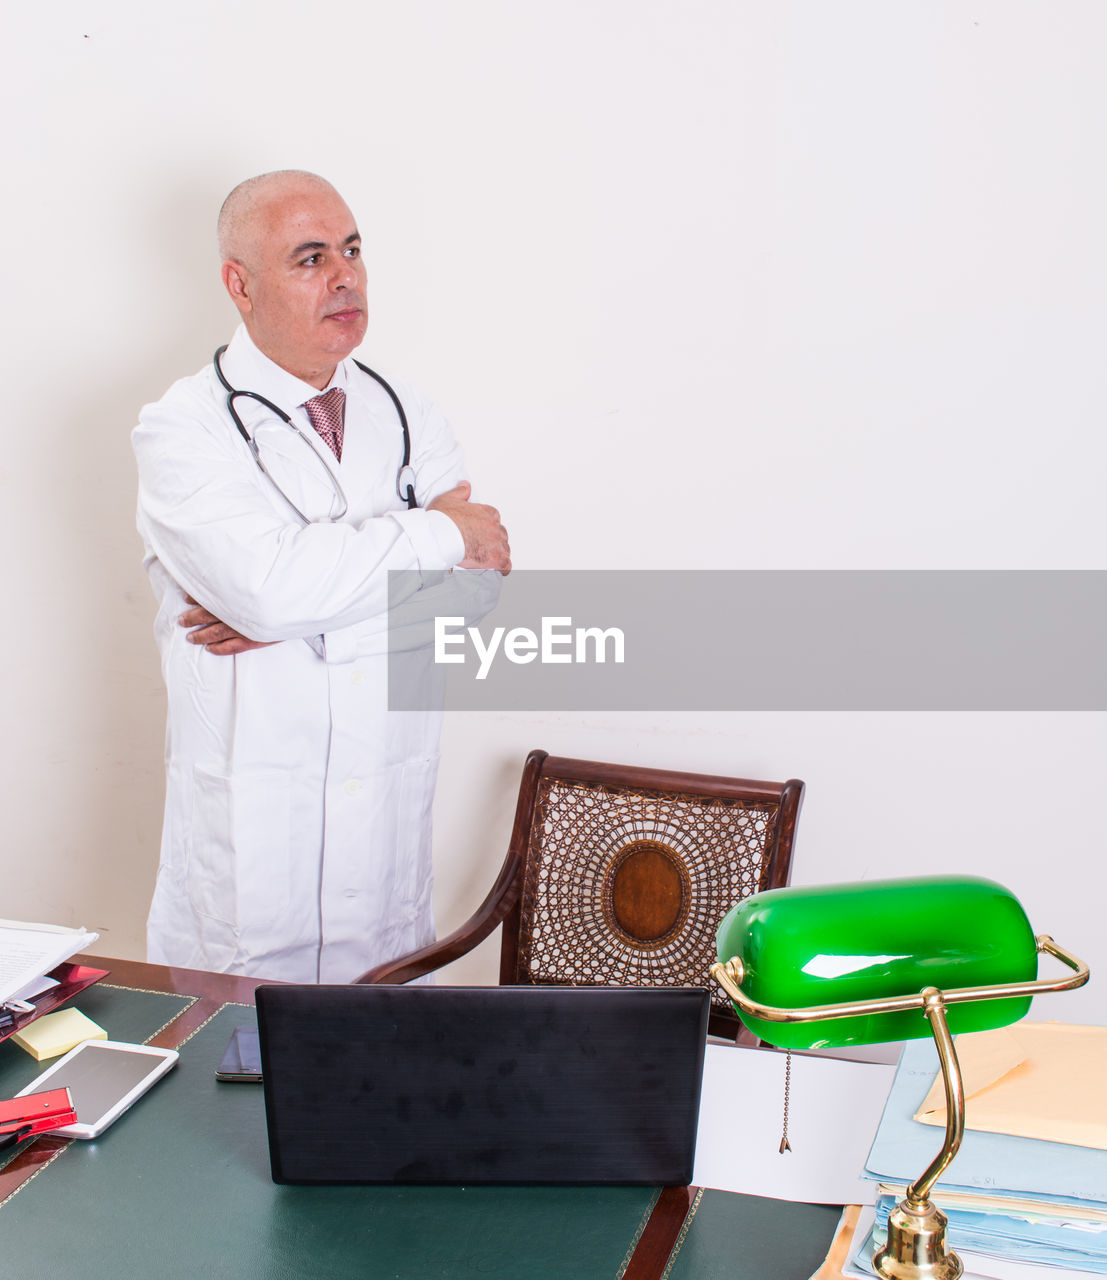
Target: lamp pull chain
[{"x": 785, "y": 1145}]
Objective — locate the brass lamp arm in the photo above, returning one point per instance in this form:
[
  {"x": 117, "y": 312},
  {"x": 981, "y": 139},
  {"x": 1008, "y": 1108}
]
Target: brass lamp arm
[
  {"x": 918, "y": 1193},
  {"x": 730, "y": 975}
]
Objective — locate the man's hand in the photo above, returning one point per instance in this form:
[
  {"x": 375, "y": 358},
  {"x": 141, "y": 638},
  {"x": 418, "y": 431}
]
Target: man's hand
[
  {"x": 215, "y": 635},
  {"x": 486, "y": 545}
]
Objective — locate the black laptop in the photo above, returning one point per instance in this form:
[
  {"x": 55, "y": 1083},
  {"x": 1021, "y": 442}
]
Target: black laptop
[{"x": 469, "y": 1085}]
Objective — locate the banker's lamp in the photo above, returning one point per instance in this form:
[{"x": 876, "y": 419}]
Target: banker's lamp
[{"x": 832, "y": 965}]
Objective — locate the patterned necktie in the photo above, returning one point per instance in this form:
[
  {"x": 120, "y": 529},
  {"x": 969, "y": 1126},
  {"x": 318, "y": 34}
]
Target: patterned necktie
[{"x": 328, "y": 414}]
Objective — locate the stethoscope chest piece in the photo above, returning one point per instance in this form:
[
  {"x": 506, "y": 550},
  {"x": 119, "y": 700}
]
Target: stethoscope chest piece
[{"x": 405, "y": 484}]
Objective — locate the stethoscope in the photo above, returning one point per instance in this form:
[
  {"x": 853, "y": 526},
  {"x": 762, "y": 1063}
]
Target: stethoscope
[{"x": 405, "y": 481}]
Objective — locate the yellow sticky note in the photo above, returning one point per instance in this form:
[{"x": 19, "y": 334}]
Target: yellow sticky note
[{"x": 57, "y": 1033}]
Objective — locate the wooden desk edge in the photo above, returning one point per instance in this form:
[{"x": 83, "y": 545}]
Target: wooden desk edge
[
  {"x": 209, "y": 992},
  {"x": 223, "y": 988}
]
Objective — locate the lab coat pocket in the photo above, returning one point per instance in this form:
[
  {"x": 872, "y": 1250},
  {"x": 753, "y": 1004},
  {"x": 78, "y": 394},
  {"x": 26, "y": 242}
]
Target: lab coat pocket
[
  {"x": 239, "y": 854},
  {"x": 413, "y": 870}
]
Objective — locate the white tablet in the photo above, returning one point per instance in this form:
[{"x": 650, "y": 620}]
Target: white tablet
[{"x": 104, "y": 1077}]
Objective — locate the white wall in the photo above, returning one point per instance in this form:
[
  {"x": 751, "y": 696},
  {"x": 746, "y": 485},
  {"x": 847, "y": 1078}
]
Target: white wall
[{"x": 710, "y": 284}]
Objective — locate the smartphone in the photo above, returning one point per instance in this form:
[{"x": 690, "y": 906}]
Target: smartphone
[
  {"x": 105, "y": 1077},
  {"x": 241, "y": 1063}
]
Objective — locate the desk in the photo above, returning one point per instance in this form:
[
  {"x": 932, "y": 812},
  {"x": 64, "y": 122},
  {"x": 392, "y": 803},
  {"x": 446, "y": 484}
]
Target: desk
[{"x": 179, "y": 1187}]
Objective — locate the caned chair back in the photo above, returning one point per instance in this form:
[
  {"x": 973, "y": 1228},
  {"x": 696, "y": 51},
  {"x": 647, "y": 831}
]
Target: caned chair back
[
  {"x": 626, "y": 872},
  {"x": 617, "y": 875}
]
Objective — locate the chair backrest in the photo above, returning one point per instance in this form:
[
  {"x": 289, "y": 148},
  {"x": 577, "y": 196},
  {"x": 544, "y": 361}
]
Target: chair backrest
[{"x": 622, "y": 874}]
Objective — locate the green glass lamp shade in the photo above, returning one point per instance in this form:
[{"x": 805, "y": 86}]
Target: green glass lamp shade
[{"x": 829, "y": 944}]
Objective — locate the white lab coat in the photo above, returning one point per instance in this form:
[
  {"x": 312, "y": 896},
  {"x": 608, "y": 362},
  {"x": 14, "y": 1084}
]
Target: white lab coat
[{"x": 296, "y": 842}]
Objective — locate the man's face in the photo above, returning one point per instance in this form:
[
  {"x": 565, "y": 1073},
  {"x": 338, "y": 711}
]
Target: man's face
[{"x": 301, "y": 286}]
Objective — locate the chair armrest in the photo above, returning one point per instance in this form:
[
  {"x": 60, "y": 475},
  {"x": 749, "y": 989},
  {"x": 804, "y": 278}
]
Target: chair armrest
[
  {"x": 501, "y": 899},
  {"x": 426, "y": 959}
]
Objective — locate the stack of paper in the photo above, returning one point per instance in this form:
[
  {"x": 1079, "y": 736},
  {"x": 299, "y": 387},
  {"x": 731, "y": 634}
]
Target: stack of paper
[
  {"x": 1009, "y": 1197},
  {"x": 29, "y": 951}
]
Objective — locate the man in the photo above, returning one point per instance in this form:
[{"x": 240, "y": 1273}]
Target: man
[{"x": 296, "y": 842}]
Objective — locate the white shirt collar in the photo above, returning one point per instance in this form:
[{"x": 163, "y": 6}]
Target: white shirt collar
[{"x": 249, "y": 369}]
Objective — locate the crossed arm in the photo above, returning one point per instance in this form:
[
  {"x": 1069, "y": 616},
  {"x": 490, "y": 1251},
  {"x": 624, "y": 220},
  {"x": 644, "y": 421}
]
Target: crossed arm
[{"x": 486, "y": 547}]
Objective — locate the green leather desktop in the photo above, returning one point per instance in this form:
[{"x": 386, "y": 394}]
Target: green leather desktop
[{"x": 180, "y": 1187}]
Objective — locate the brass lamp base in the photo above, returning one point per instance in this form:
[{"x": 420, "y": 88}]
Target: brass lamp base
[{"x": 916, "y": 1248}]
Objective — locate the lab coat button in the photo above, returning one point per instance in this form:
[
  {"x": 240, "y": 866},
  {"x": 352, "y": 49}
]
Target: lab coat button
[
  {"x": 352, "y": 788},
  {"x": 358, "y": 677}
]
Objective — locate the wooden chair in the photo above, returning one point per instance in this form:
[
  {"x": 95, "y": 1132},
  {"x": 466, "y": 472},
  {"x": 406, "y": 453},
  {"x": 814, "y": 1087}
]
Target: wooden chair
[{"x": 619, "y": 876}]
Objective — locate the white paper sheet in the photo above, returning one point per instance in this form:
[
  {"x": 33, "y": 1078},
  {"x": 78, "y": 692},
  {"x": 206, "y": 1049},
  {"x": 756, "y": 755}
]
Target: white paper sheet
[
  {"x": 834, "y": 1110},
  {"x": 27, "y": 951}
]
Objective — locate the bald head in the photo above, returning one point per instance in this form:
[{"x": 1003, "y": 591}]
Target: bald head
[
  {"x": 292, "y": 266},
  {"x": 245, "y": 212}
]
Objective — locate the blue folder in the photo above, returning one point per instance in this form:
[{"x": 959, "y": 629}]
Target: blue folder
[{"x": 996, "y": 1162}]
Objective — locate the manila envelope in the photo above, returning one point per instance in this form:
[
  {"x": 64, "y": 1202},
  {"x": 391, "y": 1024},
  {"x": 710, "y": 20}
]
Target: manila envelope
[{"x": 1034, "y": 1080}]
